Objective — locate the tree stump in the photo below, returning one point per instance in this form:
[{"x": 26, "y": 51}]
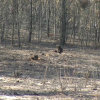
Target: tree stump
[
  {"x": 59, "y": 49},
  {"x": 35, "y": 57}
]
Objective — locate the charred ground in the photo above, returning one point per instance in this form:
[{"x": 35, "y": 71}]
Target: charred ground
[{"x": 73, "y": 74}]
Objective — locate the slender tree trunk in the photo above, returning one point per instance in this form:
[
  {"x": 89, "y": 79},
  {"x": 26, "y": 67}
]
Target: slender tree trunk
[
  {"x": 63, "y": 23},
  {"x": 99, "y": 23},
  {"x": 54, "y": 19},
  {"x": 39, "y": 19},
  {"x": 13, "y": 33},
  {"x": 14, "y": 19},
  {"x": 3, "y": 30},
  {"x": 48, "y": 16},
  {"x": 30, "y": 33},
  {"x": 18, "y": 29},
  {"x": 74, "y": 27}
]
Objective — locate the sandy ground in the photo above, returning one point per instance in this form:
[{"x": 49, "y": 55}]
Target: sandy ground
[{"x": 71, "y": 75}]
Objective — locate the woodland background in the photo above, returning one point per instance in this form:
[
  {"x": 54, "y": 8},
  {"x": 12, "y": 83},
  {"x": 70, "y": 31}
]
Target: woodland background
[
  {"x": 35, "y": 27},
  {"x": 65, "y": 21}
]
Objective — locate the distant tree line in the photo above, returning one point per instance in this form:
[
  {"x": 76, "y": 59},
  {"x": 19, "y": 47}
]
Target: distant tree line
[{"x": 67, "y": 21}]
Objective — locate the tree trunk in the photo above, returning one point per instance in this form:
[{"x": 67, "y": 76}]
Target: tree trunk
[
  {"x": 54, "y": 19},
  {"x": 3, "y": 30},
  {"x": 30, "y": 33},
  {"x": 63, "y": 23},
  {"x": 18, "y": 29},
  {"x": 40, "y": 22},
  {"x": 14, "y": 19},
  {"x": 48, "y": 16},
  {"x": 99, "y": 24}
]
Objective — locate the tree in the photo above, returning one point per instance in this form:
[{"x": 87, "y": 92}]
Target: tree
[
  {"x": 18, "y": 24},
  {"x": 14, "y": 7},
  {"x": 48, "y": 16},
  {"x": 30, "y": 33},
  {"x": 99, "y": 21},
  {"x": 63, "y": 23}
]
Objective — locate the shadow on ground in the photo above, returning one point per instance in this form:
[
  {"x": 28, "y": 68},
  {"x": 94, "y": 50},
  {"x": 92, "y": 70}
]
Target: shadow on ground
[{"x": 64, "y": 94}]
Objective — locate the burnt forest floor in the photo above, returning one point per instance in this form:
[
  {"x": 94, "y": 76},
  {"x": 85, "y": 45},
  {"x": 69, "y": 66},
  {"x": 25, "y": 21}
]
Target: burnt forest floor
[{"x": 71, "y": 75}]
